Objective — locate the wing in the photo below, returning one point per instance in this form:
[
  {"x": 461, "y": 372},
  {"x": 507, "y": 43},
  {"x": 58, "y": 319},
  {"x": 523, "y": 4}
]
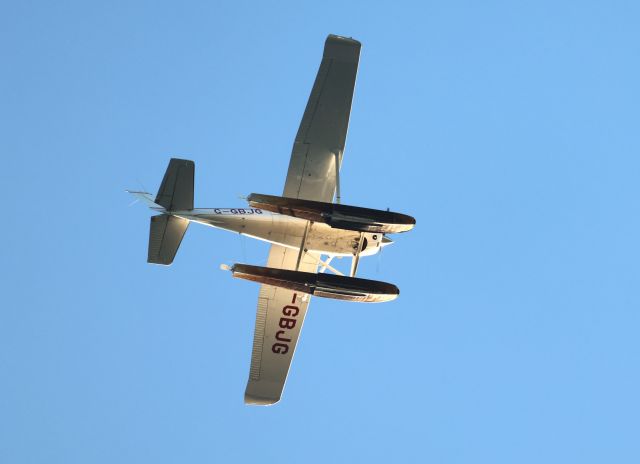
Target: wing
[
  {"x": 323, "y": 131},
  {"x": 315, "y": 159},
  {"x": 279, "y": 320}
]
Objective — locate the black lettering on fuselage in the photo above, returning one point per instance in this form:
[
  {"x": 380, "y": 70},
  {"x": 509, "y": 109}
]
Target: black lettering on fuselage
[{"x": 237, "y": 211}]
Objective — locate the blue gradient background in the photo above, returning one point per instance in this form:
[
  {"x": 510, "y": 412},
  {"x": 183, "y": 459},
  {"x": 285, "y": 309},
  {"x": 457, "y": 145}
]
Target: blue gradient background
[{"x": 508, "y": 129}]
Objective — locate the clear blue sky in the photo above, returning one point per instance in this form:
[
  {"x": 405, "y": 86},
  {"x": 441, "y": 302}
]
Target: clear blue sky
[{"x": 510, "y": 131}]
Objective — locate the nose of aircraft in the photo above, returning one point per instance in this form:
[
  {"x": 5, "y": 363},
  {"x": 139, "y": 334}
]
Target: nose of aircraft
[{"x": 386, "y": 241}]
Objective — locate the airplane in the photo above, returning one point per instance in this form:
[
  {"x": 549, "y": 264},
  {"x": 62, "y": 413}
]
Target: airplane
[{"x": 303, "y": 226}]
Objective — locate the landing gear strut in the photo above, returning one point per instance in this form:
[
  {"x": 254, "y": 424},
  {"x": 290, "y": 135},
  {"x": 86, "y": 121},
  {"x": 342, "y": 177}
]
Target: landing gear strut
[{"x": 356, "y": 256}]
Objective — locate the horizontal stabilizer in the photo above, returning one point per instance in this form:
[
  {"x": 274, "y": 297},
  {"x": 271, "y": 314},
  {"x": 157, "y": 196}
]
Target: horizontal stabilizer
[
  {"x": 322, "y": 285},
  {"x": 165, "y": 236},
  {"x": 176, "y": 190},
  {"x": 335, "y": 215}
]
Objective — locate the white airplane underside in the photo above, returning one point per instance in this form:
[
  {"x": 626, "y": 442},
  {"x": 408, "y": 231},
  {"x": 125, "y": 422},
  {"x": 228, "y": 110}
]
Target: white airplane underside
[{"x": 302, "y": 225}]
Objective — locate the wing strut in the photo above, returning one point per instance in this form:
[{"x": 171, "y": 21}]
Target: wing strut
[
  {"x": 337, "y": 164},
  {"x": 303, "y": 245},
  {"x": 356, "y": 256}
]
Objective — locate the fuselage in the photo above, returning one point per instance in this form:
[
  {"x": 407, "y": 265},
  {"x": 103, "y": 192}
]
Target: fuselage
[{"x": 285, "y": 230}]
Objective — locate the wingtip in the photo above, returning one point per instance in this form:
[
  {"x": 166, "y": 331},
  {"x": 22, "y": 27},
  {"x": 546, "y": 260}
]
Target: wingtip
[
  {"x": 342, "y": 48},
  {"x": 251, "y": 400},
  {"x": 343, "y": 39}
]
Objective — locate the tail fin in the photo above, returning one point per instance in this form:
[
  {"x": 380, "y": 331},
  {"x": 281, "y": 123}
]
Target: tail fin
[
  {"x": 146, "y": 198},
  {"x": 165, "y": 236},
  {"x": 176, "y": 190}
]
